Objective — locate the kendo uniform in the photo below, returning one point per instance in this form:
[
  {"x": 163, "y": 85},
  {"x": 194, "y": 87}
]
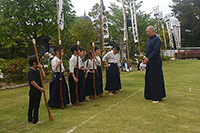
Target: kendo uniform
[
  {"x": 113, "y": 81},
  {"x": 89, "y": 80},
  {"x": 34, "y": 96},
  {"x": 54, "y": 99},
  {"x": 98, "y": 77},
  {"x": 72, "y": 84},
  {"x": 82, "y": 91},
  {"x": 154, "y": 81}
]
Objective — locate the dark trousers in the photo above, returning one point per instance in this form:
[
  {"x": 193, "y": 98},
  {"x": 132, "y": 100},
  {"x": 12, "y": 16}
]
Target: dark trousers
[{"x": 34, "y": 104}]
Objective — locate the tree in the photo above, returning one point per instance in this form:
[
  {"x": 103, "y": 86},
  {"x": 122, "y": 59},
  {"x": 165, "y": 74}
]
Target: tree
[
  {"x": 23, "y": 20},
  {"x": 82, "y": 30},
  {"x": 188, "y": 12}
]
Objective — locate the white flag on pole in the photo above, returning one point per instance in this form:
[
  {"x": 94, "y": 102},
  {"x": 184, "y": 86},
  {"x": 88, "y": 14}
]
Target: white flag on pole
[
  {"x": 105, "y": 22},
  {"x": 134, "y": 21},
  {"x": 176, "y": 32},
  {"x": 61, "y": 14},
  {"x": 125, "y": 26},
  {"x": 168, "y": 23}
]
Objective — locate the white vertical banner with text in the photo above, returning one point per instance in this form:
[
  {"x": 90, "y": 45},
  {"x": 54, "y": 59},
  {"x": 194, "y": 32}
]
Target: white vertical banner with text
[
  {"x": 105, "y": 22},
  {"x": 134, "y": 21},
  {"x": 125, "y": 26},
  {"x": 61, "y": 14}
]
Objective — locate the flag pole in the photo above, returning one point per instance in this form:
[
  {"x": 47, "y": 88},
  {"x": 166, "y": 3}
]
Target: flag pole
[
  {"x": 102, "y": 33},
  {"x": 59, "y": 39},
  {"x": 125, "y": 29}
]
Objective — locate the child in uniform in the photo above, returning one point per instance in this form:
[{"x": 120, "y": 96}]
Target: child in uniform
[
  {"x": 35, "y": 89},
  {"x": 55, "y": 99}
]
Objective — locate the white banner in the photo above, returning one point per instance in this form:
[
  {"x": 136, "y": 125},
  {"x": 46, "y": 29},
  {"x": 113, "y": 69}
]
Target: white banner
[
  {"x": 61, "y": 14},
  {"x": 125, "y": 26},
  {"x": 105, "y": 22},
  {"x": 134, "y": 21},
  {"x": 168, "y": 23},
  {"x": 156, "y": 11},
  {"x": 177, "y": 34}
]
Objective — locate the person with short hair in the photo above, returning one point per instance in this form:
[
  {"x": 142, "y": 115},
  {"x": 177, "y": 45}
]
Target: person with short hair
[
  {"x": 154, "y": 81},
  {"x": 112, "y": 64},
  {"x": 54, "y": 89},
  {"x": 36, "y": 89},
  {"x": 73, "y": 79},
  {"x": 82, "y": 69}
]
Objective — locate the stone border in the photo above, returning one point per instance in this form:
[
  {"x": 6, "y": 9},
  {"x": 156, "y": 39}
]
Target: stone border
[
  {"x": 18, "y": 86},
  {"x": 13, "y": 87}
]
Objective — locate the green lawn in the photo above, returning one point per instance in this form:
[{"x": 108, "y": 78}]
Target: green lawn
[{"x": 127, "y": 111}]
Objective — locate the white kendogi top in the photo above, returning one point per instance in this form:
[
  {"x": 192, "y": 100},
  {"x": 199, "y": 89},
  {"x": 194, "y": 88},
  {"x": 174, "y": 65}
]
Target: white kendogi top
[
  {"x": 89, "y": 65},
  {"x": 54, "y": 62},
  {"x": 98, "y": 61},
  {"x": 112, "y": 58},
  {"x": 73, "y": 63},
  {"x": 81, "y": 63}
]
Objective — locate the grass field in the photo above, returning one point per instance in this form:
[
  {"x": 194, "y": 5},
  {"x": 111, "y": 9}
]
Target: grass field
[{"x": 127, "y": 111}]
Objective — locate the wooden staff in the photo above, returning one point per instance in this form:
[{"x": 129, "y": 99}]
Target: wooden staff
[
  {"x": 41, "y": 78},
  {"x": 94, "y": 87},
  {"x": 77, "y": 69},
  {"x": 59, "y": 38}
]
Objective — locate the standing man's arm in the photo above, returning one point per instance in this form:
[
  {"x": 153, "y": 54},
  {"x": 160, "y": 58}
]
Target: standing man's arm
[{"x": 155, "y": 52}]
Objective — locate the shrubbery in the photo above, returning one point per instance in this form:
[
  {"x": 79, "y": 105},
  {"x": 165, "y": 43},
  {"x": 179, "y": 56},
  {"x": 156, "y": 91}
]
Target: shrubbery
[
  {"x": 166, "y": 58},
  {"x": 15, "y": 69}
]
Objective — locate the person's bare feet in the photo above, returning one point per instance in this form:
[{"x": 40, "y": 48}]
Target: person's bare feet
[
  {"x": 39, "y": 122},
  {"x": 155, "y": 101},
  {"x": 110, "y": 93}
]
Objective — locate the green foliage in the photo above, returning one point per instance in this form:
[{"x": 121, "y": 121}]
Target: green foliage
[
  {"x": 82, "y": 30},
  {"x": 2, "y": 61},
  {"x": 22, "y": 20},
  {"x": 166, "y": 58},
  {"x": 188, "y": 12},
  {"x": 15, "y": 69}
]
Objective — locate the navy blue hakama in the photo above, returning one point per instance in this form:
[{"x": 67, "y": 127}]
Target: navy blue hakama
[
  {"x": 54, "y": 93},
  {"x": 99, "y": 81},
  {"x": 89, "y": 85},
  {"x": 113, "y": 81},
  {"x": 72, "y": 86}
]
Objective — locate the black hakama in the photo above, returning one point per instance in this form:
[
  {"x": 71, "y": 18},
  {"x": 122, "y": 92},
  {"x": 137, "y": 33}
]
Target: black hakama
[
  {"x": 99, "y": 81},
  {"x": 89, "y": 85},
  {"x": 72, "y": 86},
  {"x": 82, "y": 91},
  {"x": 54, "y": 93},
  {"x": 113, "y": 81},
  {"x": 154, "y": 82}
]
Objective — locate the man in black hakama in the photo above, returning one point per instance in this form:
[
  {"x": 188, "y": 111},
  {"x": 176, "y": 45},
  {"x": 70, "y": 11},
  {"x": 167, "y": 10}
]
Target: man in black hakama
[{"x": 154, "y": 81}]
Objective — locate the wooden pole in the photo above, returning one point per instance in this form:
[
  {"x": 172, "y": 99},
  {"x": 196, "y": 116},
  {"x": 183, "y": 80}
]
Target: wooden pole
[
  {"x": 77, "y": 69},
  {"x": 102, "y": 33},
  {"x": 41, "y": 78},
  {"x": 59, "y": 39},
  {"x": 94, "y": 86}
]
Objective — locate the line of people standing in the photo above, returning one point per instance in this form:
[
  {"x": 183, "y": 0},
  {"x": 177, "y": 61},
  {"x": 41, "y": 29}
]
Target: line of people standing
[{"x": 87, "y": 89}]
